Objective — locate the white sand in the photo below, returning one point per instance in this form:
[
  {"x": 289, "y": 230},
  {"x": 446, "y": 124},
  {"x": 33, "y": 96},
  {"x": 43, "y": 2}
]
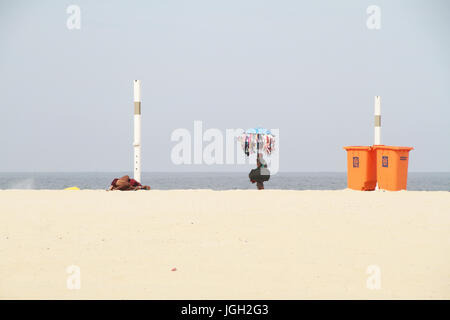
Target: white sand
[{"x": 224, "y": 244}]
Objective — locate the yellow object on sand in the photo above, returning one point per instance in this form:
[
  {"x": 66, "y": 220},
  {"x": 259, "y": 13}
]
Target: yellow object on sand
[{"x": 72, "y": 188}]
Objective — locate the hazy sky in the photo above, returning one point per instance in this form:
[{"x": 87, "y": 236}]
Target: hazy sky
[{"x": 308, "y": 68}]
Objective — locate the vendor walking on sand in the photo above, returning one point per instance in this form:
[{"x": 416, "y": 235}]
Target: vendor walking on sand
[
  {"x": 258, "y": 141},
  {"x": 126, "y": 184}
]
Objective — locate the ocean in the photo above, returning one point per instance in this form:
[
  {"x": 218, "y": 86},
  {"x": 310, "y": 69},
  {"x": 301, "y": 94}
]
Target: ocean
[{"x": 208, "y": 180}]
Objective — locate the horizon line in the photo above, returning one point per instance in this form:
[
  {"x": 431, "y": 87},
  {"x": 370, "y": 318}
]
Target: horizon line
[{"x": 125, "y": 171}]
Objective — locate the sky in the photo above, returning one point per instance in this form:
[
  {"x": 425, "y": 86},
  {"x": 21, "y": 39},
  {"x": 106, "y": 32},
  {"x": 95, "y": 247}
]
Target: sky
[{"x": 310, "y": 69}]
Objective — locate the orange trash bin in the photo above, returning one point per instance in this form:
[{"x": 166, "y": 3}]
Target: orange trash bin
[
  {"x": 392, "y": 167},
  {"x": 361, "y": 168}
]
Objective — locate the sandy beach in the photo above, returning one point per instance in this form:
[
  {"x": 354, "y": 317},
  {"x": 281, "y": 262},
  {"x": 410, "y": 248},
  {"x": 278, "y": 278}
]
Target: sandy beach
[{"x": 224, "y": 244}]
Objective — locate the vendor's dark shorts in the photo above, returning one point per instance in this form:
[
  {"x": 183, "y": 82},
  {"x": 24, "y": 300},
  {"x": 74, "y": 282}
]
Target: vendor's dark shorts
[{"x": 259, "y": 175}]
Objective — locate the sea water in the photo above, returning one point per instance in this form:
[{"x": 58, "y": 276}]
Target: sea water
[{"x": 208, "y": 180}]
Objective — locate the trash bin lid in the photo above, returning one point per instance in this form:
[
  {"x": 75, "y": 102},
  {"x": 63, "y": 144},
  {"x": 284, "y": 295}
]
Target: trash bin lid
[
  {"x": 396, "y": 148},
  {"x": 358, "y": 148}
]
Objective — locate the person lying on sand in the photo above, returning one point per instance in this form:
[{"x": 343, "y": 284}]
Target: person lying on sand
[
  {"x": 260, "y": 174},
  {"x": 126, "y": 184}
]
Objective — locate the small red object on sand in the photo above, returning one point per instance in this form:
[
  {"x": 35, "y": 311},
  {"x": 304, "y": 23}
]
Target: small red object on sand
[{"x": 173, "y": 269}]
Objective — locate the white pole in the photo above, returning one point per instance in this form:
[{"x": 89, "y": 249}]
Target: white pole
[
  {"x": 137, "y": 130},
  {"x": 377, "y": 138}
]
